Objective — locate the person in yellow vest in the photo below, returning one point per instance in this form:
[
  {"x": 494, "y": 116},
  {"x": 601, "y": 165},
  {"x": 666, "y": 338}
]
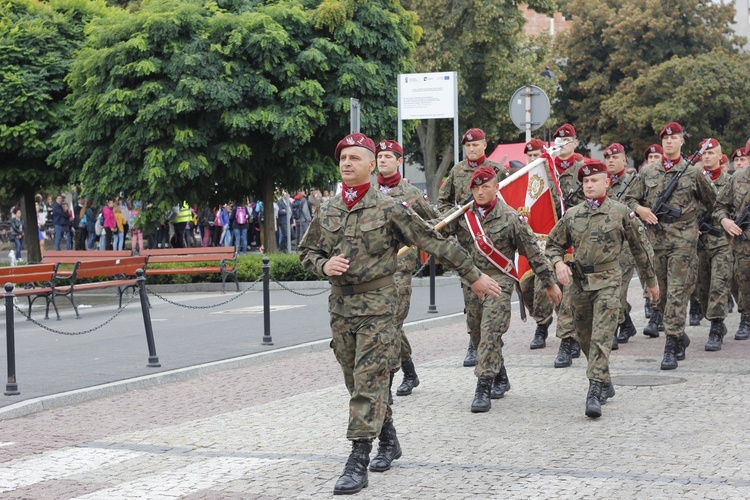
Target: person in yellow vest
[{"x": 184, "y": 215}]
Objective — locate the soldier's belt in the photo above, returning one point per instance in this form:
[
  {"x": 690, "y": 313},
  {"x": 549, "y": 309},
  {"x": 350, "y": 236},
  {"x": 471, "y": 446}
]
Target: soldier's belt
[
  {"x": 666, "y": 219},
  {"x": 598, "y": 268},
  {"x": 348, "y": 290}
]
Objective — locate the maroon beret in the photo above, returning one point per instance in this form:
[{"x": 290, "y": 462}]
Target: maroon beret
[
  {"x": 566, "y": 130},
  {"x": 614, "y": 149},
  {"x": 712, "y": 143},
  {"x": 591, "y": 167},
  {"x": 534, "y": 145},
  {"x": 389, "y": 145},
  {"x": 652, "y": 149},
  {"x": 482, "y": 175},
  {"x": 356, "y": 139},
  {"x": 739, "y": 152},
  {"x": 724, "y": 159},
  {"x": 473, "y": 134},
  {"x": 671, "y": 128}
]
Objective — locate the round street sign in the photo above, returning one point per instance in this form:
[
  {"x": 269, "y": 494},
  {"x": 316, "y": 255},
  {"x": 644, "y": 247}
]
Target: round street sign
[{"x": 533, "y": 100}]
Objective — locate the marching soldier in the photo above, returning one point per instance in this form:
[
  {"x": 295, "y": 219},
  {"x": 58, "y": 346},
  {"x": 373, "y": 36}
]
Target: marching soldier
[
  {"x": 674, "y": 236},
  {"x": 353, "y": 242},
  {"x": 620, "y": 182},
  {"x": 714, "y": 255},
  {"x": 494, "y": 232},
  {"x": 651, "y": 155},
  {"x": 390, "y": 183},
  {"x": 456, "y": 191},
  {"x": 597, "y": 229}
]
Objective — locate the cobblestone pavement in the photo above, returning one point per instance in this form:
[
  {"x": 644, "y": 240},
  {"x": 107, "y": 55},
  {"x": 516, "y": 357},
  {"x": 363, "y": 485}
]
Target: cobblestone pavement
[{"x": 276, "y": 430}]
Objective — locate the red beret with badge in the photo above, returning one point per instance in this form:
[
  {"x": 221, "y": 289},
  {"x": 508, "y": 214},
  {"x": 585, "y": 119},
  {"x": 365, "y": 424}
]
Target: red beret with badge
[
  {"x": 389, "y": 145},
  {"x": 724, "y": 159},
  {"x": 482, "y": 175},
  {"x": 357, "y": 139},
  {"x": 710, "y": 143},
  {"x": 671, "y": 128},
  {"x": 566, "y": 130},
  {"x": 591, "y": 167},
  {"x": 651, "y": 150},
  {"x": 614, "y": 149},
  {"x": 739, "y": 152},
  {"x": 534, "y": 145},
  {"x": 473, "y": 134}
]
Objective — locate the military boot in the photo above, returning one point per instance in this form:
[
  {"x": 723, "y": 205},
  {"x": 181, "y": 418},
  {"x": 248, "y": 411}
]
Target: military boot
[
  {"x": 540, "y": 337},
  {"x": 695, "y": 313},
  {"x": 593, "y": 405},
  {"x": 575, "y": 349},
  {"x": 615, "y": 345},
  {"x": 608, "y": 391},
  {"x": 626, "y": 329},
  {"x": 563, "y": 358},
  {"x": 471, "y": 355},
  {"x": 354, "y": 477},
  {"x": 482, "y": 401},
  {"x": 389, "y": 448},
  {"x": 647, "y": 309},
  {"x": 652, "y": 329},
  {"x": 669, "y": 362},
  {"x": 716, "y": 335},
  {"x": 410, "y": 378},
  {"x": 500, "y": 385},
  {"x": 682, "y": 343},
  {"x": 743, "y": 332}
]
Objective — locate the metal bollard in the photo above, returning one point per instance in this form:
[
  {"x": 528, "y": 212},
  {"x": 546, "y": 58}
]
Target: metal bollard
[
  {"x": 11, "y": 388},
  {"x": 267, "y": 340},
  {"x": 153, "y": 359},
  {"x": 432, "y": 308}
]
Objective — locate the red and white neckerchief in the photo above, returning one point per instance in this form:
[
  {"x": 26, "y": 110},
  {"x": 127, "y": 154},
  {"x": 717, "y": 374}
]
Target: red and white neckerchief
[
  {"x": 712, "y": 174},
  {"x": 388, "y": 183},
  {"x": 668, "y": 164},
  {"x": 352, "y": 195},
  {"x": 563, "y": 165},
  {"x": 479, "y": 161},
  {"x": 486, "y": 208},
  {"x": 595, "y": 203},
  {"x": 486, "y": 248}
]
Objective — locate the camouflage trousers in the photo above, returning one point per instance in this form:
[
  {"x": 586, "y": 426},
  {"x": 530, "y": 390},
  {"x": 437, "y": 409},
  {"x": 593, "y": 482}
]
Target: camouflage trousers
[
  {"x": 675, "y": 272},
  {"x": 494, "y": 322},
  {"x": 627, "y": 265},
  {"x": 535, "y": 299},
  {"x": 742, "y": 272},
  {"x": 595, "y": 316},
  {"x": 714, "y": 281},
  {"x": 364, "y": 347},
  {"x": 402, "y": 280},
  {"x": 566, "y": 327}
]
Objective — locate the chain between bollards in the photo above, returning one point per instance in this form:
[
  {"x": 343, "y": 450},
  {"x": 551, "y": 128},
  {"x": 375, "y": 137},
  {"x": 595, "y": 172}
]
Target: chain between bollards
[
  {"x": 11, "y": 388},
  {"x": 153, "y": 359},
  {"x": 267, "y": 340}
]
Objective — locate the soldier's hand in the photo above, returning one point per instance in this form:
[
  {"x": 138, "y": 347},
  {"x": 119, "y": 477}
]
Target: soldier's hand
[
  {"x": 730, "y": 227},
  {"x": 563, "y": 273},
  {"x": 336, "y": 266},
  {"x": 653, "y": 293},
  {"x": 486, "y": 286},
  {"x": 554, "y": 294},
  {"x": 647, "y": 215}
]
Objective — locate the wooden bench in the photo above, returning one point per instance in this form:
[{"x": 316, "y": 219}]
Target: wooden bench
[
  {"x": 37, "y": 280},
  {"x": 118, "y": 273},
  {"x": 73, "y": 256},
  {"x": 224, "y": 257}
]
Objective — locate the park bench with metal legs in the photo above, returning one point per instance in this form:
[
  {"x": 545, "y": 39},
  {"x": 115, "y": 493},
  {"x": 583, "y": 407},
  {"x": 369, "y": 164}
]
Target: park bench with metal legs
[
  {"x": 201, "y": 260},
  {"x": 36, "y": 280}
]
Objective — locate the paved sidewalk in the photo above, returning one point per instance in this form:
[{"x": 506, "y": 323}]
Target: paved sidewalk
[{"x": 276, "y": 429}]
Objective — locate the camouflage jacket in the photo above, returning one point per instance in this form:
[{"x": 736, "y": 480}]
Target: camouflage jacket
[
  {"x": 598, "y": 237},
  {"x": 569, "y": 182},
  {"x": 693, "y": 190},
  {"x": 369, "y": 236},
  {"x": 456, "y": 189},
  {"x": 709, "y": 241},
  {"x": 420, "y": 203},
  {"x": 508, "y": 234},
  {"x": 730, "y": 202},
  {"x": 620, "y": 186}
]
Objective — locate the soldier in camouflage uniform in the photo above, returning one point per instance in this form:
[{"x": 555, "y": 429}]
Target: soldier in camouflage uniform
[
  {"x": 740, "y": 159},
  {"x": 456, "y": 191},
  {"x": 353, "y": 242},
  {"x": 504, "y": 230},
  {"x": 675, "y": 244},
  {"x": 597, "y": 230},
  {"x": 390, "y": 183},
  {"x": 620, "y": 181},
  {"x": 652, "y": 154}
]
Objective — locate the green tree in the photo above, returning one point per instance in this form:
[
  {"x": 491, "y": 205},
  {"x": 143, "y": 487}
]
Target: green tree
[
  {"x": 611, "y": 43},
  {"x": 191, "y": 99},
  {"x": 484, "y": 43},
  {"x": 37, "y": 43}
]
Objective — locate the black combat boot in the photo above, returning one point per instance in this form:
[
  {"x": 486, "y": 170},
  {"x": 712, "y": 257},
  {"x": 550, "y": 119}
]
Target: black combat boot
[
  {"x": 647, "y": 309},
  {"x": 695, "y": 313},
  {"x": 410, "y": 378},
  {"x": 743, "y": 332},
  {"x": 716, "y": 335},
  {"x": 652, "y": 329},
  {"x": 626, "y": 330},
  {"x": 575, "y": 349},
  {"x": 563, "y": 358},
  {"x": 390, "y": 393},
  {"x": 615, "y": 345},
  {"x": 500, "y": 385},
  {"x": 540, "y": 337},
  {"x": 608, "y": 391},
  {"x": 354, "y": 477},
  {"x": 593, "y": 405},
  {"x": 482, "y": 401},
  {"x": 730, "y": 304},
  {"x": 682, "y": 344},
  {"x": 388, "y": 448},
  {"x": 669, "y": 362},
  {"x": 471, "y": 355}
]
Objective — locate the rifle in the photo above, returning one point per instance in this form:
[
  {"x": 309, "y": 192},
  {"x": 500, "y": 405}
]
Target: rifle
[
  {"x": 705, "y": 227},
  {"x": 619, "y": 195},
  {"x": 743, "y": 221},
  {"x": 568, "y": 199},
  {"x": 661, "y": 208}
]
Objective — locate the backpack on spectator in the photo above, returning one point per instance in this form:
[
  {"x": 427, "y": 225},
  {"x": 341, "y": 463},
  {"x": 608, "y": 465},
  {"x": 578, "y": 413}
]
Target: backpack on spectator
[{"x": 241, "y": 215}]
